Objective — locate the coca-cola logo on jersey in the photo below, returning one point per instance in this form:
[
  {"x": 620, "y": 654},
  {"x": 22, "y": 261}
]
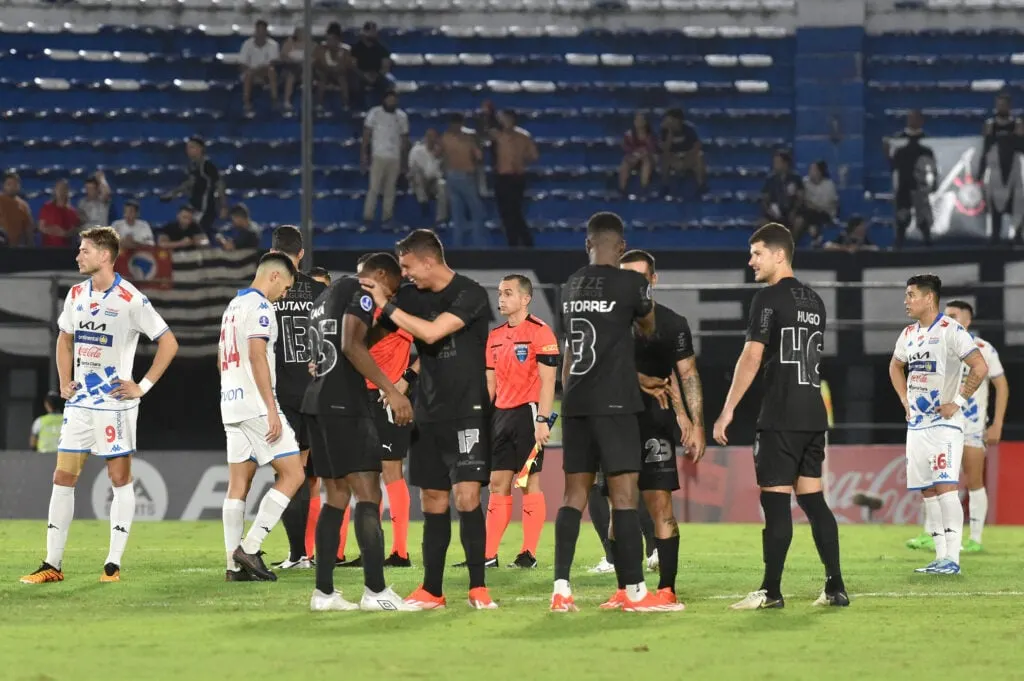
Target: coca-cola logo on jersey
[{"x": 90, "y": 352}]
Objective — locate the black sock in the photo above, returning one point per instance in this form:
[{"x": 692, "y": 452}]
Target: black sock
[
  {"x": 473, "y": 532},
  {"x": 668, "y": 560},
  {"x": 775, "y": 538},
  {"x": 600, "y": 516},
  {"x": 328, "y": 536},
  {"x": 614, "y": 548},
  {"x": 647, "y": 526},
  {"x": 826, "y": 537},
  {"x": 437, "y": 535},
  {"x": 370, "y": 537},
  {"x": 567, "y": 533},
  {"x": 294, "y": 519},
  {"x": 629, "y": 546}
]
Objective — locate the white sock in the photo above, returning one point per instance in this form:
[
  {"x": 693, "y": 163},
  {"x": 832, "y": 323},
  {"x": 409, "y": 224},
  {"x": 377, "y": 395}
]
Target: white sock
[
  {"x": 233, "y": 515},
  {"x": 979, "y": 509},
  {"x": 933, "y": 525},
  {"x": 62, "y": 510},
  {"x": 636, "y": 592},
  {"x": 953, "y": 524},
  {"x": 122, "y": 512},
  {"x": 562, "y": 588},
  {"x": 271, "y": 508}
]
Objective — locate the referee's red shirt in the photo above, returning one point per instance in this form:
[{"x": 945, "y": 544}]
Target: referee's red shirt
[
  {"x": 512, "y": 353},
  {"x": 391, "y": 353}
]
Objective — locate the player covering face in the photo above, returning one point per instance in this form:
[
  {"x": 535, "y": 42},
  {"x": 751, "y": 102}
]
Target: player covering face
[{"x": 100, "y": 326}]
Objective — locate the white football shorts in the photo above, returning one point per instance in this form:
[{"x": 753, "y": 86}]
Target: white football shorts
[
  {"x": 247, "y": 441},
  {"x": 100, "y": 432},
  {"x": 934, "y": 456},
  {"x": 974, "y": 435}
]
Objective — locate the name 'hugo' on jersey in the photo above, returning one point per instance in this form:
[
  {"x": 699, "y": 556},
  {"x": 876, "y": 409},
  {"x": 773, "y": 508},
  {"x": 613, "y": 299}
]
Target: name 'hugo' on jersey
[{"x": 933, "y": 357}]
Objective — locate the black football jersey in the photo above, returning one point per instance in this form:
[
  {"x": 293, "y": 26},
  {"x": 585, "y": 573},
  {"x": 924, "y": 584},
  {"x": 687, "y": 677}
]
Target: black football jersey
[
  {"x": 338, "y": 388},
  {"x": 670, "y": 343},
  {"x": 599, "y": 306},
  {"x": 452, "y": 383},
  {"x": 292, "y": 346},
  {"x": 789, "y": 319}
]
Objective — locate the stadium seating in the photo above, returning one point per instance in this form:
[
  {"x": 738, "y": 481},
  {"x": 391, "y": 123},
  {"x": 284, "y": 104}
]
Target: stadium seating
[{"x": 74, "y": 104}]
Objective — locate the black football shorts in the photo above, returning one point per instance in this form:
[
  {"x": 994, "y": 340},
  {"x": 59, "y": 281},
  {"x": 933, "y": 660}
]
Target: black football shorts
[
  {"x": 659, "y": 436},
  {"x": 342, "y": 445},
  {"x": 512, "y": 438},
  {"x": 782, "y": 456},
  {"x": 443, "y": 453},
  {"x": 609, "y": 443}
]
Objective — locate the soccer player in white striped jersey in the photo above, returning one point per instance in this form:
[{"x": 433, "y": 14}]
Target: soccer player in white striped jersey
[
  {"x": 976, "y": 436},
  {"x": 257, "y": 433},
  {"x": 99, "y": 331},
  {"x": 935, "y": 394}
]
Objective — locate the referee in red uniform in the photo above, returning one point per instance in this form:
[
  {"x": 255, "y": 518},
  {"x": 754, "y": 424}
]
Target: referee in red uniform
[{"x": 522, "y": 359}]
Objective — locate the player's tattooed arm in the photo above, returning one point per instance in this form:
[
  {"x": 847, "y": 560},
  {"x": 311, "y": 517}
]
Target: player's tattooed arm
[
  {"x": 977, "y": 374},
  {"x": 692, "y": 389}
]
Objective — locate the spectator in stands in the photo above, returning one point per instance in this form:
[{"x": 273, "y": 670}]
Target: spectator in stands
[
  {"x": 915, "y": 176},
  {"x": 681, "y": 150},
  {"x": 462, "y": 156},
  {"x": 94, "y": 207},
  {"x": 385, "y": 150},
  {"x": 46, "y": 428},
  {"x": 853, "y": 238},
  {"x": 426, "y": 176},
  {"x": 204, "y": 186},
  {"x": 58, "y": 221},
  {"x": 486, "y": 124},
  {"x": 821, "y": 200},
  {"x": 640, "y": 150},
  {"x": 133, "y": 230},
  {"x": 332, "y": 61},
  {"x": 242, "y": 232},
  {"x": 184, "y": 233},
  {"x": 292, "y": 53},
  {"x": 515, "y": 152},
  {"x": 373, "y": 66},
  {"x": 782, "y": 196},
  {"x": 1004, "y": 143},
  {"x": 258, "y": 56},
  {"x": 15, "y": 216}
]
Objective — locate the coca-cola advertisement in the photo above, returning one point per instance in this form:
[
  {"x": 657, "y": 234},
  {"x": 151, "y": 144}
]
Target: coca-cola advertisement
[{"x": 722, "y": 487}]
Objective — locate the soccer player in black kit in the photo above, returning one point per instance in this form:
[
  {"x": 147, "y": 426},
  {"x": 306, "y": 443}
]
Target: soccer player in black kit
[
  {"x": 448, "y": 315},
  {"x": 345, "y": 444},
  {"x": 785, "y": 335},
  {"x": 668, "y": 350},
  {"x": 292, "y": 353},
  {"x": 600, "y": 403}
]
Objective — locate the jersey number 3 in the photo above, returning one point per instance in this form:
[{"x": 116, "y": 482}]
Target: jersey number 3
[
  {"x": 583, "y": 338},
  {"x": 802, "y": 348}
]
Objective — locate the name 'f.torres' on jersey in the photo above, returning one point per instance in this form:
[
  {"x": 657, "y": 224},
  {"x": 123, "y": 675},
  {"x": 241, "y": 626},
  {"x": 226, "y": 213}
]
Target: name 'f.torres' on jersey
[
  {"x": 788, "y": 318},
  {"x": 249, "y": 315},
  {"x": 599, "y": 305}
]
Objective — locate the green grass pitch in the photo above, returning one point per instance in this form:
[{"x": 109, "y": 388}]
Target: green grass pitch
[{"x": 173, "y": 616}]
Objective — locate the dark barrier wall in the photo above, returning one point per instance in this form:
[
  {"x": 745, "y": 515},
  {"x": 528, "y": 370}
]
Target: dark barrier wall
[{"x": 183, "y": 410}]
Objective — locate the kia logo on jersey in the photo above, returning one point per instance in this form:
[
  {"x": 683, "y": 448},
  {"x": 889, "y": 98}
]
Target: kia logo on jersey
[{"x": 522, "y": 352}]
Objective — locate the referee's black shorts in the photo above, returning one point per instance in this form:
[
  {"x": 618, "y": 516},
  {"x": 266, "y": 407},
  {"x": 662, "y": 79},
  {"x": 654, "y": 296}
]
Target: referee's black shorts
[
  {"x": 394, "y": 439},
  {"x": 512, "y": 438},
  {"x": 782, "y": 456},
  {"x": 609, "y": 443}
]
